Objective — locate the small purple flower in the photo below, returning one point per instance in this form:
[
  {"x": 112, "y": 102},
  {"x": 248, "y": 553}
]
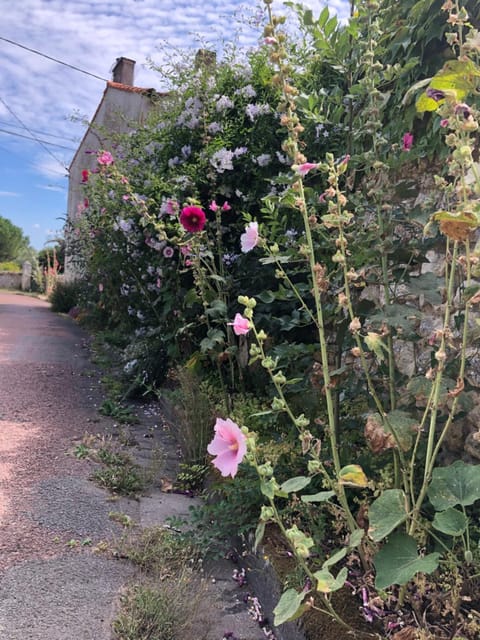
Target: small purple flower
[
  {"x": 463, "y": 110},
  {"x": 214, "y": 128},
  {"x": 240, "y": 151},
  {"x": 263, "y": 160},
  {"x": 168, "y": 252},
  {"x": 186, "y": 151},
  {"x": 222, "y": 159},
  {"x": 223, "y": 103},
  {"x": 435, "y": 94}
]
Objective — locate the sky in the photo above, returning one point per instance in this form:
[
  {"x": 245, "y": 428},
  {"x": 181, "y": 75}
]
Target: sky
[{"x": 43, "y": 100}]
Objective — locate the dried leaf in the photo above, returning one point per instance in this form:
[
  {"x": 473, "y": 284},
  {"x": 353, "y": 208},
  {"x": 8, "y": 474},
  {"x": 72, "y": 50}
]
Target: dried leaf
[{"x": 377, "y": 439}]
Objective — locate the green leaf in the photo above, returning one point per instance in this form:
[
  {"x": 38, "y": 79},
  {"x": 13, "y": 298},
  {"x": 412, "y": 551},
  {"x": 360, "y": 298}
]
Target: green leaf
[
  {"x": 355, "y": 538},
  {"x": 295, "y": 484},
  {"x": 268, "y": 488},
  {"x": 428, "y": 285},
  {"x": 398, "y": 561},
  {"x": 336, "y": 557},
  {"x": 259, "y": 533},
  {"x": 459, "y": 483},
  {"x": 326, "y": 583},
  {"x": 386, "y": 513},
  {"x": 397, "y": 316},
  {"x": 289, "y": 607},
  {"x": 321, "y": 496},
  {"x": 217, "y": 308},
  {"x": 451, "y": 521}
]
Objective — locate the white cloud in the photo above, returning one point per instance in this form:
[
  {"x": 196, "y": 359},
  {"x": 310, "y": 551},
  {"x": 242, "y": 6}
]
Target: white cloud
[
  {"x": 90, "y": 35},
  {"x": 9, "y": 194}
]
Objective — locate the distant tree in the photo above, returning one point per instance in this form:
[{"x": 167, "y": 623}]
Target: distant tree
[{"x": 12, "y": 240}]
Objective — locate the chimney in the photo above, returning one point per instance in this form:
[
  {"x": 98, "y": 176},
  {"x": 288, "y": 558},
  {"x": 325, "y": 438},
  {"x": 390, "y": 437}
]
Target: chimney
[{"x": 123, "y": 70}]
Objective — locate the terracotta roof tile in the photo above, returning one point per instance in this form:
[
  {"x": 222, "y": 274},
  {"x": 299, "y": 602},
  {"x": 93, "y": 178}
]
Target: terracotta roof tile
[{"x": 127, "y": 87}]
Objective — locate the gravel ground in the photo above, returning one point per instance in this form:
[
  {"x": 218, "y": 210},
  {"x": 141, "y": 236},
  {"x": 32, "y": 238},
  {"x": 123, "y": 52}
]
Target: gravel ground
[
  {"x": 51, "y": 589},
  {"x": 48, "y": 589}
]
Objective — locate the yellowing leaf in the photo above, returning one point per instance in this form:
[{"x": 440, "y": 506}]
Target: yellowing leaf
[
  {"x": 456, "y": 80},
  {"x": 353, "y": 476}
]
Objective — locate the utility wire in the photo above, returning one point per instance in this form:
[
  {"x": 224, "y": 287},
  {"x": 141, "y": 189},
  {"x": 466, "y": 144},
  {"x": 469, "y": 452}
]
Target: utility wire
[
  {"x": 33, "y": 135},
  {"x": 20, "y": 135},
  {"x": 43, "y": 133},
  {"x": 44, "y": 55}
]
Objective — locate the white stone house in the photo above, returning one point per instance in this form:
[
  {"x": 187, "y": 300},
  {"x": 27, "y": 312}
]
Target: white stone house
[{"x": 122, "y": 108}]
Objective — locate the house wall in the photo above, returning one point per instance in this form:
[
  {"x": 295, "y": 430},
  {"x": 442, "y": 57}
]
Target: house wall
[{"x": 121, "y": 109}]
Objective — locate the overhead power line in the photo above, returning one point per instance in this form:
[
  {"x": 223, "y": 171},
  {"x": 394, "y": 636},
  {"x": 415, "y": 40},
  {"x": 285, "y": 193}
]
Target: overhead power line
[
  {"x": 33, "y": 135},
  {"x": 43, "y": 133},
  {"x": 44, "y": 55},
  {"x": 20, "y": 135}
]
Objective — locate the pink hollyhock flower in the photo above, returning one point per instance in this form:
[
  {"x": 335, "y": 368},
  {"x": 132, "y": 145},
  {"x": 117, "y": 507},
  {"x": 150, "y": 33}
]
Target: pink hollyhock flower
[
  {"x": 250, "y": 238},
  {"x": 241, "y": 325},
  {"x": 213, "y": 206},
  {"x": 85, "y": 175},
  {"x": 226, "y": 206},
  {"x": 105, "y": 158},
  {"x": 186, "y": 250},
  {"x": 229, "y": 446},
  {"x": 192, "y": 219},
  {"x": 100, "y": 287},
  {"x": 270, "y": 40},
  {"x": 304, "y": 168},
  {"x": 168, "y": 252},
  {"x": 407, "y": 141},
  {"x": 444, "y": 122}
]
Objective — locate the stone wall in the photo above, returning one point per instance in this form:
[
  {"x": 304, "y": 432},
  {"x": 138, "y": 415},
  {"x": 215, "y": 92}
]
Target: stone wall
[{"x": 10, "y": 280}]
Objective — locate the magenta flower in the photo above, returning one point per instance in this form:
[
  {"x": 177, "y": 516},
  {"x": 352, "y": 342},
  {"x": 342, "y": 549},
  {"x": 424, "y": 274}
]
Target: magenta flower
[
  {"x": 105, "y": 158},
  {"x": 241, "y": 325},
  {"x": 304, "y": 168},
  {"x": 85, "y": 175},
  {"x": 229, "y": 446},
  {"x": 250, "y": 238},
  {"x": 407, "y": 141},
  {"x": 444, "y": 122},
  {"x": 192, "y": 219},
  {"x": 213, "y": 206}
]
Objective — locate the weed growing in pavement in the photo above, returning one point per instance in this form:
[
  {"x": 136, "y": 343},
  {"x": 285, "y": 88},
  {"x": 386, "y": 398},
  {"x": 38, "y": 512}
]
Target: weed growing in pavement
[
  {"x": 165, "y": 603},
  {"x": 164, "y": 611},
  {"x": 124, "y": 478},
  {"x": 159, "y": 551},
  {"x": 116, "y": 410},
  {"x": 121, "y": 518}
]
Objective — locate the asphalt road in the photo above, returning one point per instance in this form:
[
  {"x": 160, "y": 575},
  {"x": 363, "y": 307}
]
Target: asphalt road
[{"x": 50, "y": 587}]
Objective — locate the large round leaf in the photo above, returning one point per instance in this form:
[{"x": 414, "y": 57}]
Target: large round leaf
[
  {"x": 451, "y": 522},
  {"x": 386, "y": 513},
  {"x": 398, "y": 561},
  {"x": 459, "y": 483}
]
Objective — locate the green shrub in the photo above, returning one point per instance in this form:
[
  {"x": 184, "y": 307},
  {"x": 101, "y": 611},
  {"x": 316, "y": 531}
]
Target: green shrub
[
  {"x": 65, "y": 296},
  {"x": 10, "y": 266}
]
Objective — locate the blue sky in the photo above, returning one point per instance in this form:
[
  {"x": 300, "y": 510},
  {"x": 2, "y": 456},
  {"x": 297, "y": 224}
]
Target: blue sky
[{"x": 42, "y": 99}]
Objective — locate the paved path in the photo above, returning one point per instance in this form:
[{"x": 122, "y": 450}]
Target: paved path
[
  {"x": 49, "y": 590},
  {"x": 48, "y": 398}
]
